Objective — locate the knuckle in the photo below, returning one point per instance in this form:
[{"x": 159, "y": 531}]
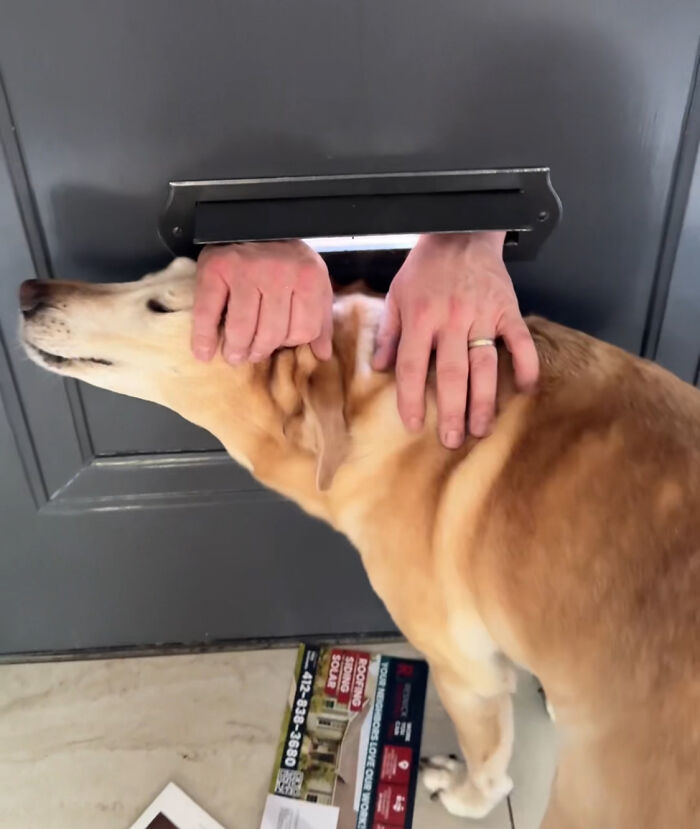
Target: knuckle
[
  {"x": 235, "y": 324},
  {"x": 452, "y": 419},
  {"x": 202, "y": 315},
  {"x": 309, "y": 329},
  {"x": 307, "y": 276},
  {"x": 315, "y": 332},
  {"x": 516, "y": 327},
  {"x": 451, "y": 373},
  {"x": 205, "y": 320},
  {"x": 268, "y": 280},
  {"x": 422, "y": 312},
  {"x": 200, "y": 338},
  {"x": 482, "y": 396},
  {"x": 510, "y": 318},
  {"x": 208, "y": 305},
  {"x": 204, "y": 259},
  {"x": 484, "y": 311},
  {"x": 483, "y": 359},
  {"x": 408, "y": 370},
  {"x": 265, "y": 343},
  {"x": 481, "y": 409},
  {"x": 217, "y": 265},
  {"x": 522, "y": 338},
  {"x": 458, "y": 312},
  {"x": 386, "y": 338}
]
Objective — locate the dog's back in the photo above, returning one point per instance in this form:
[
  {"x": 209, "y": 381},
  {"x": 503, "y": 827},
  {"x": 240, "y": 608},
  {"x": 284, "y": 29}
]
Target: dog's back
[{"x": 599, "y": 576}]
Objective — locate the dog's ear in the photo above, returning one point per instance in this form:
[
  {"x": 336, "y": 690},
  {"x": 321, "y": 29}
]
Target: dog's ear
[{"x": 320, "y": 425}]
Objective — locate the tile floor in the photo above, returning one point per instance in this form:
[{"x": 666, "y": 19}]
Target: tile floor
[{"x": 87, "y": 745}]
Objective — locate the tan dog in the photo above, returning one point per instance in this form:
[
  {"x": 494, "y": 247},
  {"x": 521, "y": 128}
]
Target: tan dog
[{"x": 567, "y": 542}]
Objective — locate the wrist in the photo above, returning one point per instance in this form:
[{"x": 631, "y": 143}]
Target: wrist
[{"x": 492, "y": 240}]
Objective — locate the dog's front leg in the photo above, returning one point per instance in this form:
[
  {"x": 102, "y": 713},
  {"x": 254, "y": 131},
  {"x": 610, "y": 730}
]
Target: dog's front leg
[{"x": 477, "y": 698}]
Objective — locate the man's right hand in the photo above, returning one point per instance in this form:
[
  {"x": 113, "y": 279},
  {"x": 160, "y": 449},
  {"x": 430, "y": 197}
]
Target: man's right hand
[{"x": 273, "y": 294}]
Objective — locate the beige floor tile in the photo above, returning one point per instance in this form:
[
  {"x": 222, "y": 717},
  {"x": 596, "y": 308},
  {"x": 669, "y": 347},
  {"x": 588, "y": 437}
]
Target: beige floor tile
[{"x": 87, "y": 745}]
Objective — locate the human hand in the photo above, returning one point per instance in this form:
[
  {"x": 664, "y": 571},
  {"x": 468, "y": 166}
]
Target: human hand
[
  {"x": 453, "y": 289},
  {"x": 273, "y": 294}
]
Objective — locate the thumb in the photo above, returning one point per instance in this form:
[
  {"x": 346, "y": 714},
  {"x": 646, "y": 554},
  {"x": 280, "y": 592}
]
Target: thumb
[{"x": 387, "y": 335}]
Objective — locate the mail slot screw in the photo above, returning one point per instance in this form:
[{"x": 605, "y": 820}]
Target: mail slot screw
[
  {"x": 177, "y": 230},
  {"x": 542, "y": 216}
]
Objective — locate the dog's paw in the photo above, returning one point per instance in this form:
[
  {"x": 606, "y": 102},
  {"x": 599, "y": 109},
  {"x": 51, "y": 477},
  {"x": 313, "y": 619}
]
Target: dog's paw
[
  {"x": 441, "y": 772},
  {"x": 445, "y": 777}
]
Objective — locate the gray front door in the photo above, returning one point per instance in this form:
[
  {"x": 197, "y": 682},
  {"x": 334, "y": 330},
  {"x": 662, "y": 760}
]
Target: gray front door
[{"x": 124, "y": 526}]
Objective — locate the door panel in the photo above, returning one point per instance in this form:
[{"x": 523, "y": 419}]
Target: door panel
[
  {"x": 135, "y": 551},
  {"x": 124, "y": 525},
  {"x": 135, "y": 426}
]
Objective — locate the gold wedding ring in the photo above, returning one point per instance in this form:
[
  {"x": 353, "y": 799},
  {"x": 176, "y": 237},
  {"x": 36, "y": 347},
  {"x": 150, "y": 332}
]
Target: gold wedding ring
[{"x": 481, "y": 343}]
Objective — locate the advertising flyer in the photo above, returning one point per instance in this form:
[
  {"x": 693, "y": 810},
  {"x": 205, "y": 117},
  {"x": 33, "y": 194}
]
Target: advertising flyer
[{"x": 349, "y": 747}]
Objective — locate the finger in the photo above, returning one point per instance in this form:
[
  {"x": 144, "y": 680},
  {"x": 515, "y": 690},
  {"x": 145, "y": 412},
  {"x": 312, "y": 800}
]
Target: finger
[
  {"x": 483, "y": 380},
  {"x": 387, "y": 336},
  {"x": 273, "y": 324},
  {"x": 209, "y": 302},
  {"x": 305, "y": 322},
  {"x": 323, "y": 346},
  {"x": 241, "y": 320},
  {"x": 452, "y": 365},
  {"x": 412, "y": 359},
  {"x": 518, "y": 340}
]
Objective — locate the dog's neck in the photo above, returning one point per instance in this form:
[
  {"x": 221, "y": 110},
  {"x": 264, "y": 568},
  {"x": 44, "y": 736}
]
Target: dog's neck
[
  {"x": 391, "y": 488},
  {"x": 254, "y": 410},
  {"x": 364, "y": 399},
  {"x": 249, "y": 406}
]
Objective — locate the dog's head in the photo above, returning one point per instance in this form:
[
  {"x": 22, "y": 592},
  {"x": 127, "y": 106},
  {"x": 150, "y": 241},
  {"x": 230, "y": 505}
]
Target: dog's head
[
  {"x": 119, "y": 336},
  {"x": 134, "y": 338}
]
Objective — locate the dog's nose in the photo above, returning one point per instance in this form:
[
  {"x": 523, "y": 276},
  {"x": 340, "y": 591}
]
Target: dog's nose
[{"x": 32, "y": 297}]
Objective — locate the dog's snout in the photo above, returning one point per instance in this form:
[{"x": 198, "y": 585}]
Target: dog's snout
[{"x": 32, "y": 297}]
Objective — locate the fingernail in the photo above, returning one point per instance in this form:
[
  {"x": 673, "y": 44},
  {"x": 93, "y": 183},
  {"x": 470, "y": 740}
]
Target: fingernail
[
  {"x": 452, "y": 439},
  {"x": 234, "y": 356},
  {"x": 414, "y": 424},
  {"x": 479, "y": 429},
  {"x": 255, "y": 356}
]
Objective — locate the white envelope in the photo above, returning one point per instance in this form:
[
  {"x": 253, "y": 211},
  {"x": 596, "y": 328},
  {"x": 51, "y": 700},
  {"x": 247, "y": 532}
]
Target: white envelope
[
  {"x": 285, "y": 813},
  {"x": 173, "y": 809}
]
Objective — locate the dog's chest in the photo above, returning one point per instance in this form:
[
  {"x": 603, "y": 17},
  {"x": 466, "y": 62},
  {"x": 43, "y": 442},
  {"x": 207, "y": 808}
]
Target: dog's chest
[{"x": 399, "y": 571}]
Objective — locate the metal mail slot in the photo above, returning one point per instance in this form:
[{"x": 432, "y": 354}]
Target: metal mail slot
[{"x": 522, "y": 202}]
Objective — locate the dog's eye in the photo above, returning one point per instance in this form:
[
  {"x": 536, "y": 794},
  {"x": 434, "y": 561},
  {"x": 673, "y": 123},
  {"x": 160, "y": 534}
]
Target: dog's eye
[{"x": 158, "y": 307}]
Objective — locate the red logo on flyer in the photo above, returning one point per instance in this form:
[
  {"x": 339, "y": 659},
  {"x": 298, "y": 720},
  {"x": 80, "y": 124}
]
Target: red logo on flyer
[
  {"x": 359, "y": 680},
  {"x": 392, "y": 802},
  {"x": 345, "y": 682},
  {"x": 396, "y": 765},
  {"x": 331, "y": 689}
]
